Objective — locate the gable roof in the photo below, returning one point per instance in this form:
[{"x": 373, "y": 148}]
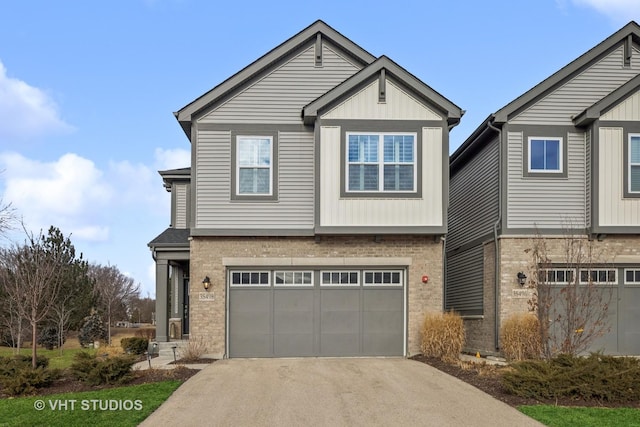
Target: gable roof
[
  {"x": 267, "y": 61},
  {"x": 486, "y": 130},
  {"x": 596, "y": 110},
  {"x": 419, "y": 88},
  {"x": 560, "y": 77}
]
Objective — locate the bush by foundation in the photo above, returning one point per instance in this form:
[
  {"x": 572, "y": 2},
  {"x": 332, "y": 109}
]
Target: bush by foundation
[{"x": 442, "y": 336}]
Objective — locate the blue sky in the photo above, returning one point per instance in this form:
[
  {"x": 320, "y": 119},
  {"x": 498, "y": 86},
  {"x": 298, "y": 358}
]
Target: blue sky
[{"x": 87, "y": 89}]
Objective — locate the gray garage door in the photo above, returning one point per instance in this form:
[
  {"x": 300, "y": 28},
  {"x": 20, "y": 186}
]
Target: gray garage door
[{"x": 280, "y": 313}]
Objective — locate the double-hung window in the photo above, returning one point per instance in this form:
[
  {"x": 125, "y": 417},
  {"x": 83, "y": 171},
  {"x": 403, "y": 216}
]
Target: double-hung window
[
  {"x": 254, "y": 165},
  {"x": 381, "y": 162},
  {"x": 634, "y": 163},
  {"x": 545, "y": 155}
]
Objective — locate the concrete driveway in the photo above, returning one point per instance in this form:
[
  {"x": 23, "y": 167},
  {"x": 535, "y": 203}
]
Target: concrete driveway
[{"x": 331, "y": 392}]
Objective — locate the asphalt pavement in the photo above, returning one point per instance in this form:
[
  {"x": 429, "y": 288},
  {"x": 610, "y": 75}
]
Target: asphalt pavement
[{"x": 330, "y": 392}]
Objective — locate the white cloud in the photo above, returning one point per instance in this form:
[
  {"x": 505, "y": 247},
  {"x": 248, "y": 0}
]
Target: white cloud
[
  {"x": 621, "y": 11},
  {"x": 172, "y": 158},
  {"x": 69, "y": 193},
  {"x": 26, "y": 111}
]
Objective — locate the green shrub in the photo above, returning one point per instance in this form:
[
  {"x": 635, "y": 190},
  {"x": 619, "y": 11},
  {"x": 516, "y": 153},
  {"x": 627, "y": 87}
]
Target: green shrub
[
  {"x": 134, "y": 345},
  {"x": 443, "y": 336},
  {"x": 95, "y": 371},
  {"x": 11, "y": 365},
  {"x": 520, "y": 337},
  {"x": 597, "y": 377},
  {"x": 25, "y": 380}
]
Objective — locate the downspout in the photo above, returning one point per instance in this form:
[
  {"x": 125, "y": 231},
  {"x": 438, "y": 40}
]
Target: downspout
[{"x": 496, "y": 299}]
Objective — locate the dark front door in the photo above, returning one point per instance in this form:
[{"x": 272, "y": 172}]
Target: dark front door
[{"x": 185, "y": 308}]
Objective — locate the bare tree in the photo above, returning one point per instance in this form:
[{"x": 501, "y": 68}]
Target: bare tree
[
  {"x": 571, "y": 293},
  {"x": 114, "y": 291},
  {"x": 31, "y": 275}
]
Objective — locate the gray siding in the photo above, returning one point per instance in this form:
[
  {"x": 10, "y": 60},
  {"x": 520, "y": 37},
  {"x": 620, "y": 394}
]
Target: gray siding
[
  {"x": 465, "y": 281},
  {"x": 280, "y": 96},
  {"x": 473, "y": 198},
  {"x": 582, "y": 91},
  {"x": 292, "y": 210},
  {"x": 546, "y": 202}
]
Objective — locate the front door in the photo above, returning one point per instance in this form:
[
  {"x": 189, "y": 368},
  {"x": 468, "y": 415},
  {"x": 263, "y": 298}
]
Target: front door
[{"x": 185, "y": 307}]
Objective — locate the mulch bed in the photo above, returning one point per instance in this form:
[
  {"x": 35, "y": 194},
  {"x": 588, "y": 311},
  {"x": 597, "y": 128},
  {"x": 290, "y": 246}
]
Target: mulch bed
[{"x": 487, "y": 378}]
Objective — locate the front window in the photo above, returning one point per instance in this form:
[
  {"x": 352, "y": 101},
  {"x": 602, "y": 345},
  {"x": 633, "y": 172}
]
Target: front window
[
  {"x": 545, "y": 155},
  {"x": 254, "y": 165},
  {"x": 381, "y": 162},
  {"x": 634, "y": 163}
]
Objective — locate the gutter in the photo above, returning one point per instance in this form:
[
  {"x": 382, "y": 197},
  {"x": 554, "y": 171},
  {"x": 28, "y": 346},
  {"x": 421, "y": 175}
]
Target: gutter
[{"x": 496, "y": 298}]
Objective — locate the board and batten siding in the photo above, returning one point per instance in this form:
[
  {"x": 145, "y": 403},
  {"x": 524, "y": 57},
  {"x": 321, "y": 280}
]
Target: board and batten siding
[
  {"x": 464, "y": 292},
  {"x": 398, "y": 105},
  {"x": 280, "y": 96},
  {"x": 474, "y": 197},
  {"x": 582, "y": 91},
  {"x": 181, "y": 206},
  {"x": 556, "y": 203},
  {"x": 363, "y": 212},
  {"x": 613, "y": 208},
  {"x": 292, "y": 210}
]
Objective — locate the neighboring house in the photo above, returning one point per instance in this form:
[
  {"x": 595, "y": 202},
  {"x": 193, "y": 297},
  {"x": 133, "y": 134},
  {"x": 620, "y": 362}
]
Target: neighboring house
[
  {"x": 311, "y": 220},
  {"x": 564, "y": 156}
]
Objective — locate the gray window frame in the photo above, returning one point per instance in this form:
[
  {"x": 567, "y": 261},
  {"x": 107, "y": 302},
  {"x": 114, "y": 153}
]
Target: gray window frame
[
  {"x": 381, "y": 127},
  {"x": 274, "y": 166},
  {"x": 627, "y": 135}
]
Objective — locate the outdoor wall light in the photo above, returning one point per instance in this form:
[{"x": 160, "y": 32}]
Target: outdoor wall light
[
  {"x": 206, "y": 282},
  {"x": 522, "y": 278}
]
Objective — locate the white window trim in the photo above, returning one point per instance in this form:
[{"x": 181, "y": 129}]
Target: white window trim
[
  {"x": 364, "y": 275},
  {"x": 626, "y": 282},
  {"x": 560, "y": 159},
  {"x": 629, "y": 164},
  {"x": 566, "y": 270},
  {"x": 247, "y": 285},
  {"x": 270, "y": 167},
  {"x": 289, "y": 285},
  {"x": 340, "y": 285},
  {"x": 381, "y": 163}
]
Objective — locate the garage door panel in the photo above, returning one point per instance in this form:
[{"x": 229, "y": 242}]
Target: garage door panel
[
  {"x": 251, "y": 345},
  {"x": 334, "y": 322},
  {"x": 249, "y": 300},
  {"x": 339, "y": 344},
  {"x": 381, "y": 344},
  {"x": 293, "y": 344},
  {"x": 382, "y": 300},
  {"x": 336, "y": 319},
  {"x": 630, "y": 321},
  {"x": 340, "y": 299},
  {"x": 382, "y": 322}
]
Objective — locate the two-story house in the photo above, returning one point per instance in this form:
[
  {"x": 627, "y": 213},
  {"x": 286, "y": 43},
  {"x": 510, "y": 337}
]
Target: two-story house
[
  {"x": 562, "y": 158},
  {"x": 311, "y": 220}
]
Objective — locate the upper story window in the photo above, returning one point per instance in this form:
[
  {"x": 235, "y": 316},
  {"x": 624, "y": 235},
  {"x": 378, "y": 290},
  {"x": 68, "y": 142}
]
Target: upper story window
[
  {"x": 254, "y": 162},
  {"x": 634, "y": 163},
  {"x": 381, "y": 162},
  {"x": 545, "y": 155}
]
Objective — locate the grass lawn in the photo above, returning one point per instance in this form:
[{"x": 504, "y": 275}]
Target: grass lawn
[
  {"x": 56, "y": 360},
  {"x": 560, "y": 416},
  {"x": 122, "y": 406}
]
